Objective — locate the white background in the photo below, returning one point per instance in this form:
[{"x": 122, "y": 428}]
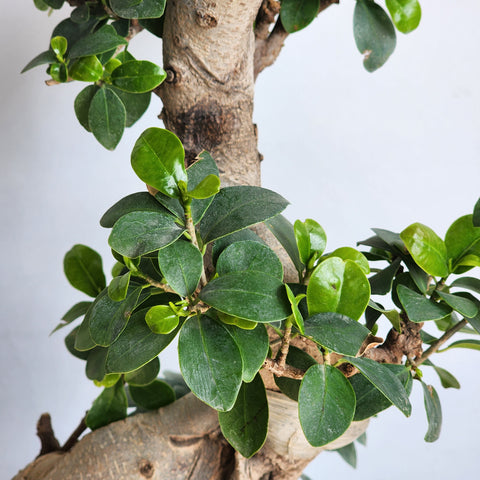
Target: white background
[{"x": 350, "y": 149}]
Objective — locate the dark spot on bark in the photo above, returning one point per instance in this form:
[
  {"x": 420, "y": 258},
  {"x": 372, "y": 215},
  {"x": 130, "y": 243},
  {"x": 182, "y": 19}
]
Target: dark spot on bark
[
  {"x": 205, "y": 16},
  {"x": 173, "y": 76},
  {"x": 184, "y": 440},
  {"x": 146, "y": 468}
]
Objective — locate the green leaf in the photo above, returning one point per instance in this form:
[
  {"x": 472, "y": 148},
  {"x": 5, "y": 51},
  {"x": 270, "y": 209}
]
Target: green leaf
[
  {"x": 210, "y": 362},
  {"x": 135, "y": 104},
  {"x": 138, "y": 233},
  {"x": 336, "y": 332},
  {"x": 86, "y": 69},
  {"x": 161, "y": 319},
  {"x": 468, "y": 343},
  {"x": 349, "y": 253},
  {"x": 117, "y": 290},
  {"x": 75, "y": 32},
  {"x": 446, "y": 378},
  {"x": 106, "y": 118},
  {"x": 152, "y": 396},
  {"x": 158, "y": 159},
  {"x": 95, "y": 367},
  {"x": 294, "y": 303},
  {"x": 318, "y": 237},
  {"x": 136, "y": 202},
  {"x": 297, "y": 14},
  {"x": 392, "y": 315},
  {"x": 103, "y": 40},
  {"x": 59, "y": 46},
  {"x": 476, "y": 214},
  {"x": 245, "y": 426},
  {"x": 462, "y": 239},
  {"x": 434, "y": 412},
  {"x": 374, "y": 34},
  {"x": 235, "y": 208},
  {"x": 81, "y": 14},
  {"x": 222, "y": 243},
  {"x": 41, "y": 59},
  {"x": 82, "y": 105},
  {"x": 362, "y": 439},
  {"x": 349, "y": 454},
  {"x": 145, "y": 374},
  {"x": 75, "y": 312},
  {"x": 249, "y": 256},
  {"x": 370, "y": 400},
  {"x": 385, "y": 381},
  {"x": 138, "y": 76},
  {"x": 70, "y": 344},
  {"x": 138, "y": 9},
  {"x": 182, "y": 265},
  {"x": 427, "y": 249},
  {"x": 83, "y": 339},
  {"x": 109, "y": 407},
  {"x": 83, "y": 269},
  {"x": 303, "y": 241},
  {"x": 58, "y": 71},
  {"x": 56, "y": 4},
  {"x": 207, "y": 188},
  {"x": 381, "y": 283},
  {"x": 253, "y": 345},
  {"x": 41, "y": 5},
  {"x": 253, "y": 296},
  {"x": 136, "y": 345},
  {"x": 461, "y": 305},
  {"x": 283, "y": 231},
  {"x": 420, "y": 309},
  {"x": 108, "y": 318},
  {"x": 322, "y": 417},
  {"x": 338, "y": 286},
  {"x": 406, "y": 14},
  {"x": 235, "y": 321}
]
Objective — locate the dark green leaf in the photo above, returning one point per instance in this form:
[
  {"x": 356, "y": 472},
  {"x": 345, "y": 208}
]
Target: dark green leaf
[
  {"x": 405, "y": 14},
  {"x": 41, "y": 59},
  {"x": 56, "y": 4},
  {"x": 245, "y": 426},
  {"x": 74, "y": 32},
  {"x": 75, "y": 312},
  {"x": 82, "y": 105},
  {"x": 381, "y": 283},
  {"x": 182, "y": 265},
  {"x": 152, "y": 396},
  {"x": 138, "y": 76},
  {"x": 419, "y": 308},
  {"x": 253, "y": 296},
  {"x": 385, "y": 381},
  {"x": 153, "y": 25},
  {"x": 476, "y": 214},
  {"x": 83, "y": 269},
  {"x": 446, "y": 378},
  {"x": 80, "y": 14},
  {"x": 374, "y": 34},
  {"x": 103, "y": 40},
  {"x": 468, "y": 343},
  {"x": 469, "y": 283},
  {"x": 210, "y": 362},
  {"x": 222, "y": 243},
  {"x": 392, "y": 315},
  {"x": 135, "y": 104},
  {"x": 70, "y": 344},
  {"x": 95, "y": 367},
  {"x": 349, "y": 454},
  {"x": 158, "y": 159},
  {"x": 41, "y": 5},
  {"x": 117, "y": 290},
  {"x": 236, "y": 208},
  {"x": 138, "y": 9},
  {"x": 86, "y": 69},
  {"x": 420, "y": 278},
  {"x": 144, "y": 375},
  {"x": 161, "y": 319},
  {"x": 462, "y": 305},
  {"x": 297, "y": 14},
  {"x": 434, "y": 412},
  {"x": 362, "y": 439},
  {"x": 139, "y": 233},
  {"x": 109, "y": 407},
  {"x": 323, "y": 418},
  {"x": 462, "y": 239},
  {"x": 83, "y": 339},
  {"x": 336, "y": 332}
]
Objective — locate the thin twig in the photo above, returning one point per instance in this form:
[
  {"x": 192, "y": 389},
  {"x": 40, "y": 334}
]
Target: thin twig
[
  {"x": 281, "y": 359},
  {"x": 193, "y": 235},
  {"x": 48, "y": 441},
  {"x": 160, "y": 285},
  {"x": 73, "y": 438},
  {"x": 287, "y": 370}
]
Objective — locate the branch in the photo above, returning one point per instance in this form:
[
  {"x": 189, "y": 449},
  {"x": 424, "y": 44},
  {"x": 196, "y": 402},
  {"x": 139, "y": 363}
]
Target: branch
[
  {"x": 73, "y": 438},
  {"x": 49, "y": 442},
  {"x": 285, "y": 371}
]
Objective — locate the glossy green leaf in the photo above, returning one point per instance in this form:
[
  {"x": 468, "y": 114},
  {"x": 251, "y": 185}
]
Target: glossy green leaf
[
  {"x": 207, "y": 188},
  {"x": 338, "y": 286},
  {"x": 474, "y": 321},
  {"x": 139, "y": 233},
  {"x": 318, "y": 237},
  {"x": 222, "y": 243},
  {"x": 235, "y": 208},
  {"x": 427, "y": 249},
  {"x": 41, "y": 59},
  {"x": 235, "y": 321},
  {"x": 138, "y": 8},
  {"x": 370, "y": 400},
  {"x": 136, "y": 345},
  {"x": 349, "y": 253},
  {"x": 283, "y": 231},
  {"x": 182, "y": 265},
  {"x": 138, "y": 76},
  {"x": 106, "y": 118},
  {"x": 406, "y": 14},
  {"x": 158, "y": 160},
  {"x": 476, "y": 214},
  {"x": 103, "y": 40},
  {"x": 461, "y": 305},
  {"x": 349, "y": 454},
  {"x": 381, "y": 283},
  {"x": 462, "y": 239},
  {"x": 446, "y": 378},
  {"x": 136, "y": 202},
  {"x": 58, "y": 71},
  {"x": 249, "y": 256},
  {"x": 468, "y": 343},
  {"x": 253, "y": 345},
  {"x": 117, "y": 290},
  {"x": 385, "y": 381},
  {"x": 82, "y": 105},
  {"x": 297, "y": 14},
  {"x": 336, "y": 332},
  {"x": 145, "y": 374},
  {"x": 135, "y": 104},
  {"x": 108, "y": 318},
  {"x": 322, "y": 417},
  {"x": 419, "y": 308},
  {"x": 59, "y": 46},
  {"x": 161, "y": 319},
  {"x": 155, "y": 395},
  {"x": 245, "y": 426},
  {"x": 303, "y": 241},
  {"x": 294, "y": 303},
  {"x": 74, "y": 32},
  {"x": 75, "y": 312},
  {"x": 83, "y": 339},
  {"x": 434, "y": 413},
  {"x": 95, "y": 367},
  {"x": 108, "y": 380},
  {"x": 109, "y": 407},
  {"x": 253, "y": 296},
  {"x": 86, "y": 69},
  {"x": 374, "y": 34},
  {"x": 83, "y": 269},
  {"x": 210, "y": 362},
  {"x": 70, "y": 344}
]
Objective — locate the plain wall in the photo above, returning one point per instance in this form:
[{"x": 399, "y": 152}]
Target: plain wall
[{"x": 350, "y": 149}]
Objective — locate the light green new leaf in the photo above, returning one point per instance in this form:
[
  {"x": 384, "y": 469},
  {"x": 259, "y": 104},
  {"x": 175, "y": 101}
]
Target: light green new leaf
[
  {"x": 86, "y": 69},
  {"x": 245, "y": 426},
  {"x": 103, "y": 40},
  {"x": 144, "y": 375},
  {"x": 419, "y": 308},
  {"x": 207, "y": 188},
  {"x": 374, "y": 34},
  {"x": 349, "y": 253},
  {"x": 158, "y": 160},
  {"x": 406, "y": 14},
  {"x": 434, "y": 412},
  {"x": 294, "y": 302},
  {"x": 297, "y": 14},
  {"x": 427, "y": 249},
  {"x": 461, "y": 305},
  {"x": 161, "y": 319},
  {"x": 210, "y": 362},
  {"x": 155, "y": 395},
  {"x": 83, "y": 269},
  {"x": 117, "y": 290},
  {"x": 462, "y": 240},
  {"x": 138, "y": 8},
  {"x": 303, "y": 241},
  {"x": 138, "y": 76},
  {"x": 338, "y": 286},
  {"x": 322, "y": 416},
  {"x": 109, "y": 407},
  {"x": 59, "y": 46}
]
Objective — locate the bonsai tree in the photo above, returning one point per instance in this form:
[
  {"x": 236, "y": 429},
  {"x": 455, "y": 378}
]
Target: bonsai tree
[{"x": 265, "y": 329}]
